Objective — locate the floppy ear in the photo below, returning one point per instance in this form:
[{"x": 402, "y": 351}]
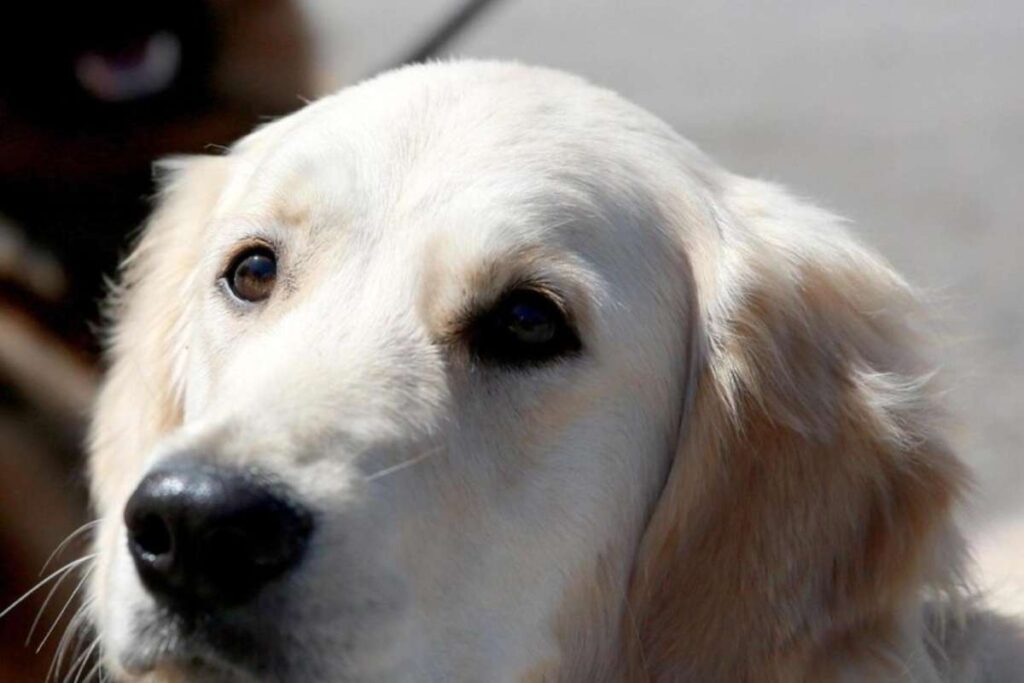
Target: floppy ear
[
  {"x": 809, "y": 500},
  {"x": 140, "y": 398}
]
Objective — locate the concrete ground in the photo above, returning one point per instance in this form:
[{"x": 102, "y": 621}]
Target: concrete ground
[{"x": 906, "y": 117}]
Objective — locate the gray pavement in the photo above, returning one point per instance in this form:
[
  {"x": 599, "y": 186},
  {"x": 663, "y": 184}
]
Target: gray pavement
[{"x": 906, "y": 117}]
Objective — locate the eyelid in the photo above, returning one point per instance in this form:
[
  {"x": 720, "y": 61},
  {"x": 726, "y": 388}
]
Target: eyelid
[
  {"x": 477, "y": 309},
  {"x": 241, "y": 247},
  {"x": 552, "y": 294},
  {"x": 545, "y": 290}
]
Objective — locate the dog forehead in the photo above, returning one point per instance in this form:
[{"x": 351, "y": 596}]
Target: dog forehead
[
  {"x": 453, "y": 101},
  {"x": 475, "y": 160},
  {"x": 443, "y": 128}
]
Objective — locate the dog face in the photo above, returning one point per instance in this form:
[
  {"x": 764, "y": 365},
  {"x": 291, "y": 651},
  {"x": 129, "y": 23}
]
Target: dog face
[
  {"x": 444, "y": 376},
  {"x": 454, "y": 359}
]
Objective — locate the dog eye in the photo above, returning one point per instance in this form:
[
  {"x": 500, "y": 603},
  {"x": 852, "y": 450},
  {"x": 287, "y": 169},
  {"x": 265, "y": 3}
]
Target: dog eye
[
  {"x": 525, "y": 327},
  {"x": 252, "y": 274}
]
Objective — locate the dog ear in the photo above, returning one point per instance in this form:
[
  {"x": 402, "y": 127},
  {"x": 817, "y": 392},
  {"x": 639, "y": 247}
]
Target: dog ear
[
  {"x": 141, "y": 395},
  {"x": 809, "y": 500}
]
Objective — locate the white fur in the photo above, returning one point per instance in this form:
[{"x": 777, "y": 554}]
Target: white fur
[{"x": 458, "y": 505}]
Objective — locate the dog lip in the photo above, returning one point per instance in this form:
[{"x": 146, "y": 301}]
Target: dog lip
[
  {"x": 192, "y": 649},
  {"x": 190, "y": 660}
]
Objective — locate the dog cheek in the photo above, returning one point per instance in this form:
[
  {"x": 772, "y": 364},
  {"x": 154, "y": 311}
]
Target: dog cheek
[{"x": 108, "y": 600}]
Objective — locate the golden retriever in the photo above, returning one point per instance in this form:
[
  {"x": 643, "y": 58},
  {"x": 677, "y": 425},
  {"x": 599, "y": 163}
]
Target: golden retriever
[{"x": 477, "y": 372}]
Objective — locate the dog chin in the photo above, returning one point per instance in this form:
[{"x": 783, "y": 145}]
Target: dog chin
[
  {"x": 192, "y": 669},
  {"x": 167, "y": 649},
  {"x": 162, "y": 647}
]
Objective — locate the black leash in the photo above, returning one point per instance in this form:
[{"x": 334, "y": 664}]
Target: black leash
[{"x": 445, "y": 32}]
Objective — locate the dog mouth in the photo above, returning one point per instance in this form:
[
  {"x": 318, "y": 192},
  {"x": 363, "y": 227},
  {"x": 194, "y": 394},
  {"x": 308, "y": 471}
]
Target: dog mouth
[{"x": 200, "y": 649}]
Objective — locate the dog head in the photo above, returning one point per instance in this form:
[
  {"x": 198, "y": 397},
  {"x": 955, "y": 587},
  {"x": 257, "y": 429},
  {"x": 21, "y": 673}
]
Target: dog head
[{"x": 476, "y": 371}]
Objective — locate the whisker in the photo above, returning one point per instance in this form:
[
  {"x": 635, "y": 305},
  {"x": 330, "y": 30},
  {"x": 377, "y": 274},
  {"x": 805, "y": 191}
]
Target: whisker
[
  {"x": 402, "y": 465},
  {"x": 63, "y": 544},
  {"x": 91, "y": 653},
  {"x": 66, "y": 568},
  {"x": 95, "y": 671},
  {"x": 42, "y": 608},
  {"x": 83, "y": 659},
  {"x": 57, "y": 662},
  {"x": 71, "y": 634},
  {"x": 81, "y": 582}
]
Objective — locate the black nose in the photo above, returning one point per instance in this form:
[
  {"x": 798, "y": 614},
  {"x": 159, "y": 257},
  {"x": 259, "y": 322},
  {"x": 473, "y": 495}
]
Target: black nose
[{"x": 204, "y": 537}]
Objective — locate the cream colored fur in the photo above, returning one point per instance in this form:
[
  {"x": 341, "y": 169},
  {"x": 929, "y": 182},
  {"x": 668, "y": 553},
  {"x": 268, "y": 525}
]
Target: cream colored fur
[{"x": 742, "y": 477}]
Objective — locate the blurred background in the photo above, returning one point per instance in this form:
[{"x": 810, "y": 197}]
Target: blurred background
[{"x": 906, "y": 117}]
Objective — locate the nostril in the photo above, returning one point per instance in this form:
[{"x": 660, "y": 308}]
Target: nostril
[{"x": 152, "y": 535}]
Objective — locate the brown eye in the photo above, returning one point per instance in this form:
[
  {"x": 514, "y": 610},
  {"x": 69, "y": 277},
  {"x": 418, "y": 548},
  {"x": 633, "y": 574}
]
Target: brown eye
[
  {"x": 524, "y": 328},
  {"x": 252, "y": 274}
]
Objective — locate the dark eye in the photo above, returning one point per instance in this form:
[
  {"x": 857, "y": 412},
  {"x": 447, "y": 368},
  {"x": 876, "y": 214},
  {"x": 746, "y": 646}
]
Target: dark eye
[
  {"x": 252, "y": 274},
  {"x": 525, "y": 327}
]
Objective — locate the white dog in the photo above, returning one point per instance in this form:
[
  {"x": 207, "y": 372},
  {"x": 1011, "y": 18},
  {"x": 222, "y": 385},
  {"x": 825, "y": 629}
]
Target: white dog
[{"x": 476, "y": 372}]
